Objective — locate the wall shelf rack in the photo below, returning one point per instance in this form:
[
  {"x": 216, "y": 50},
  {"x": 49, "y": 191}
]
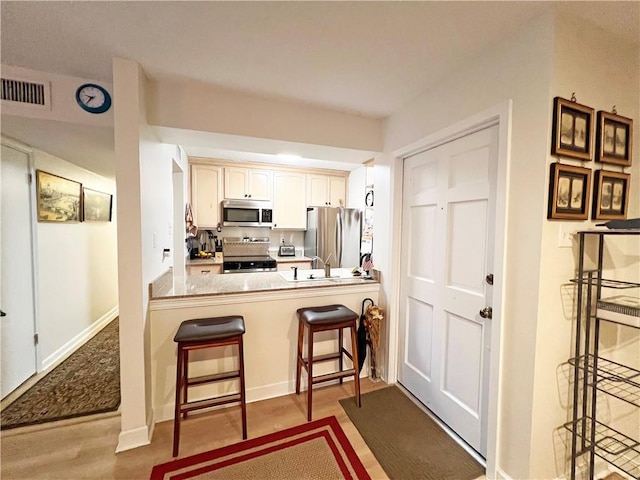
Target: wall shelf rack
[{"x": 593, "y": 373}]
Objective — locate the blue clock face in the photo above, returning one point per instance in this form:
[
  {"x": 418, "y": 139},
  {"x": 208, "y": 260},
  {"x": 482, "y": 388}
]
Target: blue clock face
[{"x": 93, "y": 98}]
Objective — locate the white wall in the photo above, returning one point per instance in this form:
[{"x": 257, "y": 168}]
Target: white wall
[
  {"x": 77, "y": 270},
  {"x": 603, "y": 72},
  {"x": 193, "y": 106},
  {"x": 518, "y": 69},
  {"x": 144, "y": 175},
  {"x": 62, "y": 89}
]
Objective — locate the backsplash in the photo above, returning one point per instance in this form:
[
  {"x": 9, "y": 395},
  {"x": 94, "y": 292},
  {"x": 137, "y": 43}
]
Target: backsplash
[{"x": 295, "y": 238}]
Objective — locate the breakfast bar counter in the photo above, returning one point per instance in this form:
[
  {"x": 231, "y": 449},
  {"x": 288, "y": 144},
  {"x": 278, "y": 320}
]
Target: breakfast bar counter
[
  {"x": 170, "y": 287},
  {"x": 268, "y": 302}
]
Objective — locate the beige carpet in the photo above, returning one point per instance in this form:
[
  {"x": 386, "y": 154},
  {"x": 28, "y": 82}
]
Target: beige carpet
[
  {"x": 316, "y": 450},
  {"x": 406, "y": 442}
]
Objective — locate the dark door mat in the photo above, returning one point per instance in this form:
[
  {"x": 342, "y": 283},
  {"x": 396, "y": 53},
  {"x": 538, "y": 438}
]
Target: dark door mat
[
  {"x": 86, "y": 383},
  {"x": 405, "y": 441}
]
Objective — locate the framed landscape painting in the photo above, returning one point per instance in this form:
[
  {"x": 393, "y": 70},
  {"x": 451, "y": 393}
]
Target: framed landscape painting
[
  {"x": 58, "y": 198},
  {"x": 610, "y": 195},
  {"x": 96, "y": 206},
  {"x": 569, "y": 189},
  {"x": 572, "y": 134},
  {"x": 614, "y": 139}
]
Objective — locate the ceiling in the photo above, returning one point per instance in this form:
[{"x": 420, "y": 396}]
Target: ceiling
[{"x": 366, "y": 58}]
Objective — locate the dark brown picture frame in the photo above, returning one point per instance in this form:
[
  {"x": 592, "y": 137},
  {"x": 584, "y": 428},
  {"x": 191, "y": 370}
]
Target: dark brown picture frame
[
  {"x": 58, "y": 198},
  {"x": 572, "y": 134},
  {"x": 96, "y": 206},
  {"x": 569, "y": 189},
  {"x": 610, "y": 195},
  {"x": 614, "y": 139}
]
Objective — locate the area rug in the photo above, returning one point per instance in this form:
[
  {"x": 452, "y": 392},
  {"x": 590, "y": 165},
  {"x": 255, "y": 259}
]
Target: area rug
[
  {"x": 405, "y": 441},
  {"x": 86, "y": 383},
  {"x": 317, "y": 450}
]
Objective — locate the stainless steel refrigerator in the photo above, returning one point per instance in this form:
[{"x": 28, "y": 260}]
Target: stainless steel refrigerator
[{"x": 333, "y": 233}]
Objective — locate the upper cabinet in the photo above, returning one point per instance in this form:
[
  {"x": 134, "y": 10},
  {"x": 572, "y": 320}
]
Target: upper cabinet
[
  {"x": 248, "y": 183},
  {"x": 206, "y": 194},
  {"x": 326, "y": 190},
  {"x": 289, "y": 201}
]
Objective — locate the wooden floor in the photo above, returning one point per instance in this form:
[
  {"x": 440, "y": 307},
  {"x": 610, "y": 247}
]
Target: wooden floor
[{"x": 84, "y": 449}]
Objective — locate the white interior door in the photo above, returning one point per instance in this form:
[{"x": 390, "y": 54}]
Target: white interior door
[
  {"x": 17, "y": 328},
  {"x": 447, "y": 238}
]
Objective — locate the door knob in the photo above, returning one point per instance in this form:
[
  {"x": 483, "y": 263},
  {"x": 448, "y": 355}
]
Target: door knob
[
  {"x": 486, "y": 312},
  {"x": 2, "y": 314}
]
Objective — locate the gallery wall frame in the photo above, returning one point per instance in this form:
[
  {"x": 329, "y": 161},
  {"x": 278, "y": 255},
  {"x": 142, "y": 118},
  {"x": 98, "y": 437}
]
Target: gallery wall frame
[
  {"x": 59, "y": 199},
  {"x": 610, "y": 195},
  {"x": 614, "y": 139},
  {"x": 569, "y": 189},
  {"x": 97, "y": 205},
  {"x": 573, "y": 125}
]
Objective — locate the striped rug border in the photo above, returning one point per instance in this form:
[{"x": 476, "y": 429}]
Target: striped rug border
[{"x": 159, "y": 472}]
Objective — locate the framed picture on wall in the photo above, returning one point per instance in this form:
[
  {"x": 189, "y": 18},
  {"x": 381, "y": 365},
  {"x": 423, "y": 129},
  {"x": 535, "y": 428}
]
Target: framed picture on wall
[
  {"x": 96, "y": 206},
  {"x": 614, "y": 139},
  {"x": 572, "y": 134},
  {"x": 58, "y": 198},
  {"x": 569, "y": 189},
  {"x": 610, "y": 195}
]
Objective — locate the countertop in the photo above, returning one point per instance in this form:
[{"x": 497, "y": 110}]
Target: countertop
[
  {"x": 213, "y": 261},
  {"x": 169, "y": 287}
]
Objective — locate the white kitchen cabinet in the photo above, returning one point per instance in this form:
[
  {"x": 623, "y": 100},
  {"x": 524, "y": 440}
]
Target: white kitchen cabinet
[
  {"x": 205, "y": 269},
  {"x": 326, "y": 190},
  {"x": 248, "y": 183},
  {"x": 289, "y": 201},
  {"x": 206, "y": 194}
]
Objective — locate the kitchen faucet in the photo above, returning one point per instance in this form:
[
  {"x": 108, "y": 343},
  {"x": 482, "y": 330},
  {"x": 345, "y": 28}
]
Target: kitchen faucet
[{"x": 325, "y": 263}]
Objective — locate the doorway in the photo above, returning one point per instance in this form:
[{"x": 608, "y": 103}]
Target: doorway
[
  {"x": 427, "y": 357},
  {"x": 17, "y": 299}
]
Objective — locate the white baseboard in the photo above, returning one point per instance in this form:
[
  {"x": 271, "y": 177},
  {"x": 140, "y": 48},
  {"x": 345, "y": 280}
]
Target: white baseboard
[
  {"x": 500, "y": 475},
  {"x": 137, "y": 437},
  {"x": 76, "y": 342}
]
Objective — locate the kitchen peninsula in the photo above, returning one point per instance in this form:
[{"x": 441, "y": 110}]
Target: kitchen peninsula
[{"x": 268, "y": 302}]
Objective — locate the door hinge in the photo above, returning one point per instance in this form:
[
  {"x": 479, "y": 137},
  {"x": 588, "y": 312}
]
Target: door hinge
[
  {"x": 30, "y": 178},
  {"x": 35, "y": 338}
]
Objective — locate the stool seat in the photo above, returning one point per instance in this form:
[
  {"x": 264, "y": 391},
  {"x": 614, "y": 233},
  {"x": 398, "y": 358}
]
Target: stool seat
[
  {"x": 199, "y": 334},
  {"x": 207, "y": 329},
  {"x": 326, "y": 315},
  {"x": 321, "y": 319}
]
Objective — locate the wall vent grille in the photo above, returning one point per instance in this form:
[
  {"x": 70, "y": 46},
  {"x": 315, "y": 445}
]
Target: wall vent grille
[{"x": 24, "y": 92}]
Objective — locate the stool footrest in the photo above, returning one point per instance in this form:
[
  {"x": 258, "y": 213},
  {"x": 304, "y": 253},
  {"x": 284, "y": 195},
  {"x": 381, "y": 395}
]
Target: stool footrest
[
  {"x": 323, "y": 358},
  {"x": 216, "y": 377},
  {"x": 214, "y": 402},
  {"x": 333, "y": 376}
]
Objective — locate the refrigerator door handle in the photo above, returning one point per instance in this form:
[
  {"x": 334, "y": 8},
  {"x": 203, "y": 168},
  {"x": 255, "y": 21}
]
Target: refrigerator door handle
[{"x": 339, "y": 240}]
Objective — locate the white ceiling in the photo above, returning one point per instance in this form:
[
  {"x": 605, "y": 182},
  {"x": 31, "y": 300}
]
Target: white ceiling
[{"x": 368, "y": 58}]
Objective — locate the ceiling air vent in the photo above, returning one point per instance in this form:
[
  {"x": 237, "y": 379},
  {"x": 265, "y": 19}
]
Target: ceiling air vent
[{"x": 25, "y": 93}]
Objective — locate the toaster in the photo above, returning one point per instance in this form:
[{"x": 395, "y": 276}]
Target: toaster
[{"x": 287, "y": 251}]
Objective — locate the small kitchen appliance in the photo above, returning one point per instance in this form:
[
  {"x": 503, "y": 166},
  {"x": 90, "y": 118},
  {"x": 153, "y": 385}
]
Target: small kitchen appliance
[{"x": 286, "y": 251}]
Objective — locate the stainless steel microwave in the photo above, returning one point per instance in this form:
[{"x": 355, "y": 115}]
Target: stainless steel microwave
[{"x": 247, "y": 213}]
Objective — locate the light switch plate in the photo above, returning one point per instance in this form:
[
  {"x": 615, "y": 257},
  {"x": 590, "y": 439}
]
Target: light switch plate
[{"x": 566, "y": 233}]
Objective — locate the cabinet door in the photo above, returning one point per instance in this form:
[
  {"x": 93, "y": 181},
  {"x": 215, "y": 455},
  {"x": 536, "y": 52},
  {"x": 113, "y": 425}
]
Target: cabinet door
[
  {"x": 337, "y": 191},
  {"x": 260, "y": 184},
  {"x": 317, "y": 191},
  {"x": 289, "y": 201},
  {"x": 236, "y": 181},
  {"x": 206, "y": 189}
]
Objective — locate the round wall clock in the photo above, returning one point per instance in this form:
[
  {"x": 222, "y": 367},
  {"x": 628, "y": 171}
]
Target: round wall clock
[{"x": 93, "y": 98}]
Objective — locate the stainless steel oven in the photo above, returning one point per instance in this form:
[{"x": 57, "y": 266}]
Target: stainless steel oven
[{"x": 247, "y": 213}]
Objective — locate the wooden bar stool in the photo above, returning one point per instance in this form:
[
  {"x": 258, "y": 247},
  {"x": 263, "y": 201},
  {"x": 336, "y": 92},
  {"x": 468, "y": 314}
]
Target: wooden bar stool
[
  {"x": 207, "y": 333},
  {"x": 320, "y": 319}
]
